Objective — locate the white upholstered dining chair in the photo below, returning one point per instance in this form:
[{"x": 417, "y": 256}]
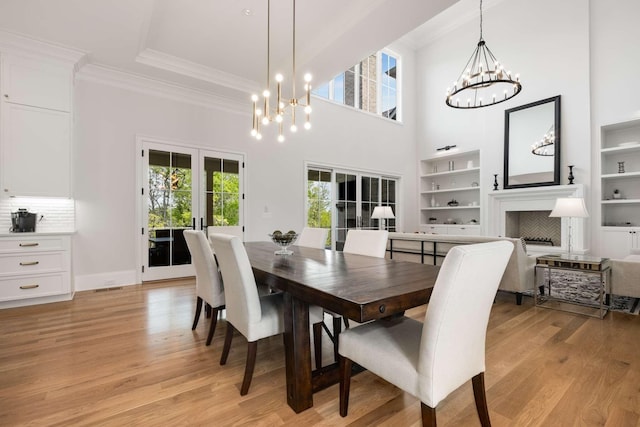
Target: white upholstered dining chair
[
  {"x": 312, "y": 237},
  {"x": 430, "y": 360},
  {"x": 208, "y": 281},
  {"x": 254, "y": 316},
  {"x": 366, "y": 242}
]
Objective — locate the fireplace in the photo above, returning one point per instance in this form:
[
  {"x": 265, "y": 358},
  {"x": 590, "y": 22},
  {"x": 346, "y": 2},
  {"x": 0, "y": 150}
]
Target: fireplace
[
  {"x": 535, "y": 227},
  {"x": 525, "y": 213}
]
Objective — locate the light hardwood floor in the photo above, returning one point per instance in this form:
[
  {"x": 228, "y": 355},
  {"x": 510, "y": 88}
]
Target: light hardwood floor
[{"x": 129, "y": 357}]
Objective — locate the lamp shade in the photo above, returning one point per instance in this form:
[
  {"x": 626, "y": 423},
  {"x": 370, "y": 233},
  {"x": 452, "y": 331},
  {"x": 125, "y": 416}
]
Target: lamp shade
[
  {"x": 573, "y": 207},
  {"x": 382, "y": 212}
]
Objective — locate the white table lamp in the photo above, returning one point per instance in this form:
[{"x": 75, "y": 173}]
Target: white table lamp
[
  {"x": 569, "y": 207},
  {"x": 382, "y": 213}
]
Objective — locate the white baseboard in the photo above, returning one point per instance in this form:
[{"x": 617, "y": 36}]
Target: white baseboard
[{"x": 105, "y": 280}]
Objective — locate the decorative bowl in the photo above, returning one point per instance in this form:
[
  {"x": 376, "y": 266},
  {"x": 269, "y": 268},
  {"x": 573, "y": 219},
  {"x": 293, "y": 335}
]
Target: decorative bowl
[{"x": 283, "y": 240}]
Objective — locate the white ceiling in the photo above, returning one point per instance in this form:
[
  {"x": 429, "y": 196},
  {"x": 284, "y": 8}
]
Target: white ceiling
[{"x": 213, "y": 46}]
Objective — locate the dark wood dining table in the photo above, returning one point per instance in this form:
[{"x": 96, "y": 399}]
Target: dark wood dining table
[{"x": 360, "y": 288}]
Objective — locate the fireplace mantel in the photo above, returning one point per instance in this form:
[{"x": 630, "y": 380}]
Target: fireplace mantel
[{"x": 537, "y": 199}]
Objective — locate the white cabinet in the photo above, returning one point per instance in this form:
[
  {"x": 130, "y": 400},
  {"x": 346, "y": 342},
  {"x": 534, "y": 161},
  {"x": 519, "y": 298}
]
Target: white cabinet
[
  {"x": 617, "y": 242},
  {"x": 34, "y": 269},
  {"x": 35, "y": 145},
  {"x": 460, "y": 230},
  {"x": 450, "y": 189},
  {"x": 37, "y": 83}
]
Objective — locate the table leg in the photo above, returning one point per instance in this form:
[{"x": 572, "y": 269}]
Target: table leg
[{"x": 297, "y": 348}]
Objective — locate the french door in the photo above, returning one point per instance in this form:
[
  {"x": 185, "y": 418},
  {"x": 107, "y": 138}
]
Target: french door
[
  {"x": 184, "y": 188},
  {"x": 356, "y": 195}
]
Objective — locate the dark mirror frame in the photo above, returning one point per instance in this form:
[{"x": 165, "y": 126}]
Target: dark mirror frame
[{"x": 507, "y": 145}]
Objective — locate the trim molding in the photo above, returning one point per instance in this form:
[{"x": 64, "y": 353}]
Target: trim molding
[
  {"x": 111, "y": 279},
  {"x": 177, "y": 65},
  {"x": 26, "y": 46},
  {"x": 136, "y": 83}
]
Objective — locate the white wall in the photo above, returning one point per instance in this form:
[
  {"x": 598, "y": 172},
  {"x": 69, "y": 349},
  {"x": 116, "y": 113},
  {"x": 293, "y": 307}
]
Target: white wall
[
  {"x": 108, "y": 119},
  {"x": 547, "y": 43}
]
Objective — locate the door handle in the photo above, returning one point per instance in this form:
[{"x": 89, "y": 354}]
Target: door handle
[
  {"x": 29, "y": 286},
  {"x": 25, "y": 245},
  {"x": 30, "y": 263}
]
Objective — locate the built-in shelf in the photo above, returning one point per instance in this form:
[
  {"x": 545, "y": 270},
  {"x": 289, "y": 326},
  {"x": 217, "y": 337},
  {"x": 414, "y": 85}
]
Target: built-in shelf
[
  {"x": 451, "y": 190},
  {"x": 621, "y": 202},
  {"x": 451, "y": 208},
  {"x": 448, "y": 176},
  {"x": 619, "y": 151}
]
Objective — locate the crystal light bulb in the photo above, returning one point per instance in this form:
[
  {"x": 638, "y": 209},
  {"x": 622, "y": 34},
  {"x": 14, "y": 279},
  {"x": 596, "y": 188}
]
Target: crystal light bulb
[
  {"x": 307, "y": 77},
  {"x": 307, "y": 109},
  {"x": 280, "y": 138},
  {"x": 279, "y": 118},
  {"x": 266, "y": 93},
  {"x": 294, "y": 128},
  {"x": 259, "y": 136},
  {"x": 307, "y": 125},
  {"x": 254, "y": 132},
  {"x": 279, "y": 77},
  {"x": 265, "y": 120},
  {"x": 254, "y": 97}
]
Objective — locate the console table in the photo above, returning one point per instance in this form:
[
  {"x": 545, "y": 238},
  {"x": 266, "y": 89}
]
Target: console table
[{"x": 581, "y": 265}]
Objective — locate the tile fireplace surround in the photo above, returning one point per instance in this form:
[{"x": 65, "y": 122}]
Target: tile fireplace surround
[{"x": 537, "y": 199}]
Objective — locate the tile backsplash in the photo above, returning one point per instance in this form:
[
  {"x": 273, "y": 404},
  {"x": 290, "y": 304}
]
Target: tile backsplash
[{"x": 54, "y": 215}]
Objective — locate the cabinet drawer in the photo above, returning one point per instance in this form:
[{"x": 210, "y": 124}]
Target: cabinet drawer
[
  {"x": 31, "y": 244},
  {"x": 33, "y": 286},
  {"x": 32, "y": 263}
]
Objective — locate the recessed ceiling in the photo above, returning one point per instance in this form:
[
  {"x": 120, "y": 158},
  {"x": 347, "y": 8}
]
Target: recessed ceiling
[{"x": 214, "y": 45}]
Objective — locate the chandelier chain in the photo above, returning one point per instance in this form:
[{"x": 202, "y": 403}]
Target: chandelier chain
[{"x": 480, "y": 19}]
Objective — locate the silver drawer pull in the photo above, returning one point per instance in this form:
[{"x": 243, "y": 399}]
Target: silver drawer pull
[
  {"x": 29, "y": 286},
  {"x": 24, "y": 245},
  {"x": 30, "y": 263}
]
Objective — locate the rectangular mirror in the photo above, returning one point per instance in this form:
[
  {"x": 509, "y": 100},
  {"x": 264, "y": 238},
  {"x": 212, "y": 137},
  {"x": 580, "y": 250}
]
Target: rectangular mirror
[{"x": 532, "y": 144}]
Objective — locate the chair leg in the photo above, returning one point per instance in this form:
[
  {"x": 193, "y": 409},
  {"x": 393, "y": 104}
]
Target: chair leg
[
  {"x": 197, "y": 315},
  {"x": 252, "y": 349},
  {"x": 337, "y": 328},
  {"x": 207, "y": 309},
  {"x": 317, "y": 343},
  {"x": 481, "y": 399},
  {"x": 428, "y": 416},
  {"x": 214, "y": 321},
  {"x": 519, "y": 298},
  {"x": 227, "y": 344},
  {"x": 345, "y": 384}
]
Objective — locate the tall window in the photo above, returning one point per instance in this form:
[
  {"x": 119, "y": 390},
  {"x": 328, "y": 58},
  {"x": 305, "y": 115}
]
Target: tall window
[
  {"x": 370, "y": 85},
  {"x": 341, "y": 199}
]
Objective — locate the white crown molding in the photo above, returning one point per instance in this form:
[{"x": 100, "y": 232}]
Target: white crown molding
[
  {"x": 136, "y": 83},
  {"x": 20, "y": 44},
  {"x": 174, "y": 64}
]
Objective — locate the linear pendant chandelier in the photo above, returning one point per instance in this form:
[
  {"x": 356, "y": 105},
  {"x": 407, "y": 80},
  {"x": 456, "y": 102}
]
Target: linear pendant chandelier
[
  {"x": 262, "y": 117},
  {"x": 483, "y": 81}
]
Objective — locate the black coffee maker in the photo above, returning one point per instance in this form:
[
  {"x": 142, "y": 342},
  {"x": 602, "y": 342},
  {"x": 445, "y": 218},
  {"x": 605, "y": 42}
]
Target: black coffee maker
[{"x": 23, "y": 221}]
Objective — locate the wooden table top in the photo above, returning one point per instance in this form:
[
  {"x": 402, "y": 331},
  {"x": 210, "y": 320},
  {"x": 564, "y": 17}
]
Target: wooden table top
[{"x": 359, "y": 287}]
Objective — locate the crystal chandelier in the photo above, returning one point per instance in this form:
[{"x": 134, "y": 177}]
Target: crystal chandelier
[
  {"x": 263, "y": 113},
  {"x": 481, "y": 79}
]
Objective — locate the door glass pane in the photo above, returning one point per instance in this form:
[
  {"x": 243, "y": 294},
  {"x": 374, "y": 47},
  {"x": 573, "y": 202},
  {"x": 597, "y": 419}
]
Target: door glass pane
[
  {"x": 370, "y": 199},
  {"x": 169, "y": 209},
  {"x": 319, "y": 200},
  {"x": 346, "y": 203},
  {"x": 222, "y": 194}
]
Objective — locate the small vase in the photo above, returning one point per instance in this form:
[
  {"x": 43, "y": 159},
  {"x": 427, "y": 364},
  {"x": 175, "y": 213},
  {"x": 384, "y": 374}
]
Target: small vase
[
  {"x": 433, "y": 202},
  {"x": 570, "y": 174}
]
